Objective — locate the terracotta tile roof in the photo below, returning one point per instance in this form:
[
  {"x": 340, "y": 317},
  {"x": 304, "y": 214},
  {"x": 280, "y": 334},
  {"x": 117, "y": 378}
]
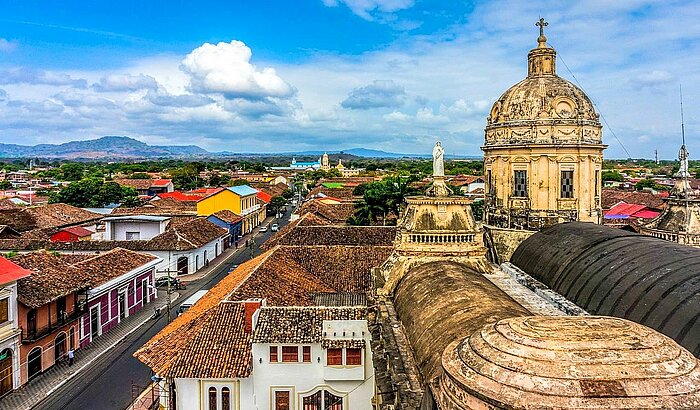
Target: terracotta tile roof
[
  {"x": 182, "y": 234},
  {"x": 227, "y": 216},
  {"x": 52, "y": 277},
  {"x": 300, "y": 324},
  {"x": 107, "y": 266},
  {"x": 333, "y": 213},
  {"x": 336, "y": 235},
  {"x": 165, "y": 206},
  {"x": 6, "y": 232},
  {"x": 56, "y": 275},
  {"x": 46, "y": 216},
  {"x": 342, "y": 193},
  {"x": 165, "y": 352},
  {"x": 7, "y": 204},
  {"x": 209, "y": 339},
  {"x": 139, "y": 184},
  {"x": 611, "y": 197},
  {"x": 343, "y": 343},
  {"x": 340, "y": 299}
]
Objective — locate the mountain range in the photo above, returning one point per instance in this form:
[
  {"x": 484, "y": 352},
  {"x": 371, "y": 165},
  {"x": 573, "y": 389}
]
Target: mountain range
[{"x": 117, "y": 147}]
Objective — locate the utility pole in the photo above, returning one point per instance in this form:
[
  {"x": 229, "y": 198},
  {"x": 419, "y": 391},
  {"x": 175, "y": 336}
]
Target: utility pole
[
  {"x": 656, "y": 156},
  {"x": 169, "y": 291}
]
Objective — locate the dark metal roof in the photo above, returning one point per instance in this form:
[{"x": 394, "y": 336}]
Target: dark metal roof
[{"x": 618, "y": 273}]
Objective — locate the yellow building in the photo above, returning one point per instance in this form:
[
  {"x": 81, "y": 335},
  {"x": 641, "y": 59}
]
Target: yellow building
[
  {"x": 543, "y": 150},
  {"x": 241, "y": 200}
]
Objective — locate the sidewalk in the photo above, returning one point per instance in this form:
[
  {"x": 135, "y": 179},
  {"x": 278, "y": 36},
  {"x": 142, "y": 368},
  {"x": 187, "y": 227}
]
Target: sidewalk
[
  {"x": 225, "y": 255},
  {"x": 35, "y": 390}
]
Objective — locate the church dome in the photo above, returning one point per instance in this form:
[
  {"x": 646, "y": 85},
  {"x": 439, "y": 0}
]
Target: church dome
[
  {"x": 565, "y": 362},
  {"x": 533, "y": 109}
]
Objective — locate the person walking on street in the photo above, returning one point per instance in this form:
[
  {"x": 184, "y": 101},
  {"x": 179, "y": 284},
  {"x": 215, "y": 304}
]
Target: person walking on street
[{"x": 71, "y": 357}]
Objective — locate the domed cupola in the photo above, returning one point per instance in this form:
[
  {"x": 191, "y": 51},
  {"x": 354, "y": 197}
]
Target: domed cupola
[
  {"x": 543, "y": 150},
  {"x": 541, "y": 102}
]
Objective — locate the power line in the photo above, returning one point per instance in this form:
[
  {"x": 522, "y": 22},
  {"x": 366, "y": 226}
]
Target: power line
[{"x": 605, "y": 121}]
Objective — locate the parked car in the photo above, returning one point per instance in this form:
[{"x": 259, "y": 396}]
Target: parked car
[
  {"x": 263, "y": 229},
  {"x": 275, "y": 228},
  {"x": 175, "y": 283}
]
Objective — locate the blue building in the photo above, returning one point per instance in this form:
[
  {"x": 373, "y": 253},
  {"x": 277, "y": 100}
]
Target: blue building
[{"x": 229, "y": 221}]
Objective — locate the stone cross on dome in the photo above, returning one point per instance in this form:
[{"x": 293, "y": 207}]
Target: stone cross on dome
[{"x": 542, "y": 39}]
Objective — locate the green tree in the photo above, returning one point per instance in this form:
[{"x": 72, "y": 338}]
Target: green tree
[
  {"x": 612, "y": 176},
  {"x": 139, "y": 175},
  {"x": 5, "y": 185},
  {"x": 216, "y": 180},
  {"x": 72, "y": 171},
  {"x": 239, "y": 182},
  {"x": 287, "y": 193},
  {"x": 93, "y": 193},
  {"x": 277, "y": 202}
]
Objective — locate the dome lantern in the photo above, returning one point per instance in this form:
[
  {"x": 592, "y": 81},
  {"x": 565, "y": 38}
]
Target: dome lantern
[{"x": 541, "y": 60}]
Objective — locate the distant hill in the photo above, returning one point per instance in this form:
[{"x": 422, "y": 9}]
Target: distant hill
[
  {"x": 110, "y": 147},
  {"x": 116, "y": 148}
]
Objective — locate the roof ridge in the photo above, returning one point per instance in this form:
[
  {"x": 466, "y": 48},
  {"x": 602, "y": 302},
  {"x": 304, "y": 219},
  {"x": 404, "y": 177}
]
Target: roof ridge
[{"x": 268, "y": 253}]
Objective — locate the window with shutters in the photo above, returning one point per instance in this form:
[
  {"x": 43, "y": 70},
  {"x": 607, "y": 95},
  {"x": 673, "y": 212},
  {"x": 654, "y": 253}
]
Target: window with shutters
[
  {"x": 307, "y": 354},
  {"x": 567, "y": 184},
  {"x": 334, "y": 357},
  {"x": 273, "y": 354},
  {"x": 353, "y": 357},
  {"x": 290, "y": 354},
  {"x": 520, "y": 183}
]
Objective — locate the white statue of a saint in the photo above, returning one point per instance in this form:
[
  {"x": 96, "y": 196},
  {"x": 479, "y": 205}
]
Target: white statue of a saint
[{"x": 438, "y": 160}]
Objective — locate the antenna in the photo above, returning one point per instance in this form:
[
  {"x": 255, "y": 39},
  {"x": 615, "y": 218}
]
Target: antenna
[{"x": 680, "y": 90}]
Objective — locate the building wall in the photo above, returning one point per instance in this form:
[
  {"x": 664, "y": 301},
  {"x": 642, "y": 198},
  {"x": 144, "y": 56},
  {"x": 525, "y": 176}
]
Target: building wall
[
  {"x": 223, "y": 199},
  {"x": 169, "y": 258},
  {"x": 108, "y": 303},
  {"x": 544, "y": 205},
  {"x": 9, "y": 337},
  {"x": 116, "y": 231}
]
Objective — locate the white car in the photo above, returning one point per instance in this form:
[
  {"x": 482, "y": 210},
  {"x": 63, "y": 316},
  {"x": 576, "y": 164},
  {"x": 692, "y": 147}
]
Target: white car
[
  {"x": 263, "y": 229},
  {"x": 275, "y": 228}
]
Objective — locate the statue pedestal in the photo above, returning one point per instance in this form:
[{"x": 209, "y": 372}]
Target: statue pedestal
[{"x": 439, "y": 187}]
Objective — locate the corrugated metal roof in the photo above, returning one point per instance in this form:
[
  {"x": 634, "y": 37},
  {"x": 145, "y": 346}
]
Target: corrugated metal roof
[
  {"x": 613, "y": 272},
  {"x": 243, "y": 190}
]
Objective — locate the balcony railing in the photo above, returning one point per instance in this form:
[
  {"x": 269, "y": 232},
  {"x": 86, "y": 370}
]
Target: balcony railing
[{"x": 32, "y": 335}]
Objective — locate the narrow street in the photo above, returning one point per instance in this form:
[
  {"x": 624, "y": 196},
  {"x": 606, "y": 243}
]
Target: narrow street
[{"x": 107, "y": 384}]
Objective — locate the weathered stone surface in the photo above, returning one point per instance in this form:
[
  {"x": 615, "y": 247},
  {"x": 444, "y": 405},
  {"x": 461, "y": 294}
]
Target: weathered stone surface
[{"x": 588, "y": 362}]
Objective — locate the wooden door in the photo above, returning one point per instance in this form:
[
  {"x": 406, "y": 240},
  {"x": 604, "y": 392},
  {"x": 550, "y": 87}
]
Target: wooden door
[
  {"x": 6, "y": 372},
  {"x": 282, "y": 400}
]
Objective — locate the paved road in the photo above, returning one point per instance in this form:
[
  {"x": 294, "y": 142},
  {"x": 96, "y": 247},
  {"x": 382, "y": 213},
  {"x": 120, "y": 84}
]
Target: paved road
[{"x": 107, "y": 384}]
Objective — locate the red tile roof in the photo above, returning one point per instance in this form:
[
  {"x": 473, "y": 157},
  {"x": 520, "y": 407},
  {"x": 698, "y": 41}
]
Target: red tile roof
[
  {"x": 227, "y": 216},
  {"x": 10, "y": 272},
  {"x": 78, "y": 231},
  {"x": 611, "y": 197},
  {"x": 161, "y": 182},
  {"x": 180, "y": 196},
  {"x": 264, "y": 196}
]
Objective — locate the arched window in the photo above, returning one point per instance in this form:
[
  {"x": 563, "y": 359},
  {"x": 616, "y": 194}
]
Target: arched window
[
  {"x": 183, "y": 265},
  {"x": 212, "y": 398},
  {"x": 225, "y": 398}
]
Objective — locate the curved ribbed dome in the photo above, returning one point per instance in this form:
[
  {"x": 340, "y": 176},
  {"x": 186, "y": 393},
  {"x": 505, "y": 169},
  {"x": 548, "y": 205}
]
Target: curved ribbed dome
[
  {"x": 543, "y": 108},
  {"x": 541, "y": 98},
  {"x": 581, "y": 362}
]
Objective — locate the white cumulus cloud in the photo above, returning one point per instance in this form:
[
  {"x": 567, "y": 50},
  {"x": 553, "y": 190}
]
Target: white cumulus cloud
[{"x": 225, "y": 68}]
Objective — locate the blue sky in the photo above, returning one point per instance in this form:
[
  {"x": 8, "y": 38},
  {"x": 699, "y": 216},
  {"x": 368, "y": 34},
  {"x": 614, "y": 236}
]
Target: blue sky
[{"x": 333, "y": 74}]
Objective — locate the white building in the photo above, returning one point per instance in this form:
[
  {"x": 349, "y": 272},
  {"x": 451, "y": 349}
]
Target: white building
[
  {"x": 244, "y": 356},
  {"x": 134, "y": 227},
  {"x": 10, "y": 273}
]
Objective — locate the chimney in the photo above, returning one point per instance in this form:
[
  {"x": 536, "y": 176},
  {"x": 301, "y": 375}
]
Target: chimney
[{"x": 251, "y": 306}]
